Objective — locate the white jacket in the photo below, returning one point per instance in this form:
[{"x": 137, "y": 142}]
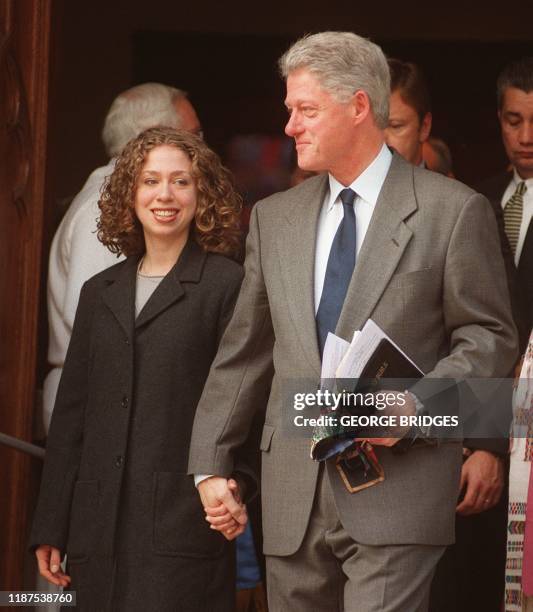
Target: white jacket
[{"x": 75, "y": 256}]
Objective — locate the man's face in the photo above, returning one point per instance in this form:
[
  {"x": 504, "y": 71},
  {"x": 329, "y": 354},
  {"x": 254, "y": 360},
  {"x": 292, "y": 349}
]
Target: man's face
[
  {"x": 322, "y": 128},
  {"x": 189, "y": 118},
  {"x": 405, "y": 132},
  {"x": 516, "y": 120}
]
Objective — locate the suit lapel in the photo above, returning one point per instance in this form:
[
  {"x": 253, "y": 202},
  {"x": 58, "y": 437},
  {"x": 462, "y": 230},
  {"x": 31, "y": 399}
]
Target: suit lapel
[
  {"x": 188, "y": 268},
  {"x": 526, "y": 256},
  {"x": 495, "y": 189},
  {"x": 296, "y": 248},
  {"x": 383, "y": 246}
]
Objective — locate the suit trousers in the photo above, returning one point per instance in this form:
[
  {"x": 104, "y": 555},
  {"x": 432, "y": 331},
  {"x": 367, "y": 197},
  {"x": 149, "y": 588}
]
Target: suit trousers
[{"x": 331, "y": 572}]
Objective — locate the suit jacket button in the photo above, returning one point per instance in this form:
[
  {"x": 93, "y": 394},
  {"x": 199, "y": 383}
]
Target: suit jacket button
[
  {"x": 119, "y": 460},
  {"x": 125, "y": 401}
]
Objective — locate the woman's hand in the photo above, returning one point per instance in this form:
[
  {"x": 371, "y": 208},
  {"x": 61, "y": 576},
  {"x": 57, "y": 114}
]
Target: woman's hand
[
  {"x": 221, "y": 519},
  {"x": 49, "y": 561}
]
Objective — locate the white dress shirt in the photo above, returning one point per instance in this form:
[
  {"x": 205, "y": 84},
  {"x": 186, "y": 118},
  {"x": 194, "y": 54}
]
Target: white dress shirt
[
  {"x": 367, "y": 187},
  {"x": 527, "y": 213}
]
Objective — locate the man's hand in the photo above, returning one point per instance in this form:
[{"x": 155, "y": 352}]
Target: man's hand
[
  {"x": 482, "y": 482},
  {"x": 404, "y": 405},
  {"x": 223, "y": 506},
  {"x": 49, "y": 562}
]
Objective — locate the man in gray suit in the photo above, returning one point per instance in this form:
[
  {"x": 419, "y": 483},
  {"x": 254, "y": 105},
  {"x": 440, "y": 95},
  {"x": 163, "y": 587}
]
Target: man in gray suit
[{"x": 369, "y": 237}]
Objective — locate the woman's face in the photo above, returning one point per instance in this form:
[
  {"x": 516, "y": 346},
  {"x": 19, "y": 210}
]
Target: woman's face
[{"x": 165, "y": 201}]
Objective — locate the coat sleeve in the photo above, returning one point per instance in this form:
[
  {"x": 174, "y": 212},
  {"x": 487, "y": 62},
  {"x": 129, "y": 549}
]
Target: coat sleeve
[
  {"x": 227, "y": 307},
  {"x": 246, "y": 460},
  {"x": 241, "y": 373},
  {"x": 499, "y": 446},
  {"x": 477, "y": 316},
  {"x": 64, "y": 443}
]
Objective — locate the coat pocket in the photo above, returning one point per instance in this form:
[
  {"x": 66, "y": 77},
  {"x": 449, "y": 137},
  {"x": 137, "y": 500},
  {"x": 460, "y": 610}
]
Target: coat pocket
[
  {"x": 83, "y": 513},
  {"x": 266, "y": 437},
  {"x": 409, "y": 279},
  {"x": 179, "y": 526}
]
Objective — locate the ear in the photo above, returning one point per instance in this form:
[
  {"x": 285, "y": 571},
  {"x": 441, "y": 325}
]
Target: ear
[
  {"x": 425, "y": 127},
  {"x": 361, "y": 106}
]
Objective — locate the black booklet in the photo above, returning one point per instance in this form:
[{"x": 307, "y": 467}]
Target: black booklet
[{"x": 371, "y": 365}]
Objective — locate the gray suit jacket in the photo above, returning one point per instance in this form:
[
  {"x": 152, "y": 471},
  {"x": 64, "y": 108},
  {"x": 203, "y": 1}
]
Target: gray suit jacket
[{"x": 430, "y": 274}]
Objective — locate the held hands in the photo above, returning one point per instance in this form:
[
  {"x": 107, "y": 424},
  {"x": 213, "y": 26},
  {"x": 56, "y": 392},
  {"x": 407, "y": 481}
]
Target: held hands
[
  {"x": 223, "y": 506},
  {"x": 482, "y": 482},
  {"x": 49, "y": 562},
  {"x": 403, "y": 406}
]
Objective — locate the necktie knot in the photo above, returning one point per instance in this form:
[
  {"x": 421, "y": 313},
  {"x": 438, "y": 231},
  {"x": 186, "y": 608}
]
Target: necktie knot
[
  {"x": 521, "y": 189},
  {"x": 347, "y": 196},
  {"x": 518, "y": 194}
]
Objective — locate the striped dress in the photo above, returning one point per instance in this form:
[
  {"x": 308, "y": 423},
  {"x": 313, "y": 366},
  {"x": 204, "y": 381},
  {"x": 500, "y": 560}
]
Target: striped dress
[{"x": 521, "y": 461}]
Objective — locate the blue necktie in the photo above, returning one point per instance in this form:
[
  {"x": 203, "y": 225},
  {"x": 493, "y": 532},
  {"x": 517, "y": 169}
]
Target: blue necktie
[{"x": 339, "y": 271}]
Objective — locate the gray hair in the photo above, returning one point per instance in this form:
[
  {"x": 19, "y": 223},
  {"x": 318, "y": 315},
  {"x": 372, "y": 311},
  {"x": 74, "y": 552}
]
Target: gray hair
[
  {"x": 137, "y": 109},
  {"x": 343, "y": 63}
]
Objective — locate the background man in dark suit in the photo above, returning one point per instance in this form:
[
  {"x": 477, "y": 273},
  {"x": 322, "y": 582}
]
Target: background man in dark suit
[
  {"x": 417, "y": 260},
  {"x": 472, "y": 573},
  {"x": 512, "y": 191},
  {"x": 455, "y": 585}
]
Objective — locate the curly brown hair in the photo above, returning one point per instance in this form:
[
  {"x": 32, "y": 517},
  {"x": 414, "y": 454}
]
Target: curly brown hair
[{"x": 217, "y": 218}]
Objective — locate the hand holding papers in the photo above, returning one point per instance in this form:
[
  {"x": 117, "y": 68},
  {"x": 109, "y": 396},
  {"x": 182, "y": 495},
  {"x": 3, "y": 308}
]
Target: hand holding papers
[{"x": 352, "y": 372}]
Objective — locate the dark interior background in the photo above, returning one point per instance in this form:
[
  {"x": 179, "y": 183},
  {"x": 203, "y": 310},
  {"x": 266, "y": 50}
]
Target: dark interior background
[
  {"x": 225, "y": 55},
  {"x": 234, "y": 85}
]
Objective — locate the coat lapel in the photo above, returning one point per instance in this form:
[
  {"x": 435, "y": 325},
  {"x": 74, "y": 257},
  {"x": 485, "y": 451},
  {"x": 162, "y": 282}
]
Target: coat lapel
[
  {"x": 383, "y": 246},
  {"x": 297, "y": 259},
  {"x": 119, "y": 296},
  {"x": 188, "y": 268}
]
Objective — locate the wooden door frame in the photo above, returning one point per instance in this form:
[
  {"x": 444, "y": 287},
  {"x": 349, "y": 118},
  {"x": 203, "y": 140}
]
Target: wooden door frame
[{"x": 24, "y": 75}]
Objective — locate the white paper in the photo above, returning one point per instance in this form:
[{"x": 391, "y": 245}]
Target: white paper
[
  {"x": 334, "y": 350},
  {"x": 361, "y": 349}
]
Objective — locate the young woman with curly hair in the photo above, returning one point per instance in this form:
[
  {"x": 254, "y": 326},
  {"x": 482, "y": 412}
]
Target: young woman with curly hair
[{"x": 115, "y": 494}]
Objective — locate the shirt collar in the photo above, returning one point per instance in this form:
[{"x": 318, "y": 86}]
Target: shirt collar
[
  {"x": 368, "y": 184},
  {"x": 517, "y": 179}
]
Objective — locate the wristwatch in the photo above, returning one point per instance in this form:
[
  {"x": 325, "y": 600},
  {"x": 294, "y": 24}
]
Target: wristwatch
[{"x": 416, "y": 432}]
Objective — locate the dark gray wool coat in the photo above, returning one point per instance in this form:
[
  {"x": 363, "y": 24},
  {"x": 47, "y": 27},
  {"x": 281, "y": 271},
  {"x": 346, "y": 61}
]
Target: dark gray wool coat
[{"x": 115, "y": 495}]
